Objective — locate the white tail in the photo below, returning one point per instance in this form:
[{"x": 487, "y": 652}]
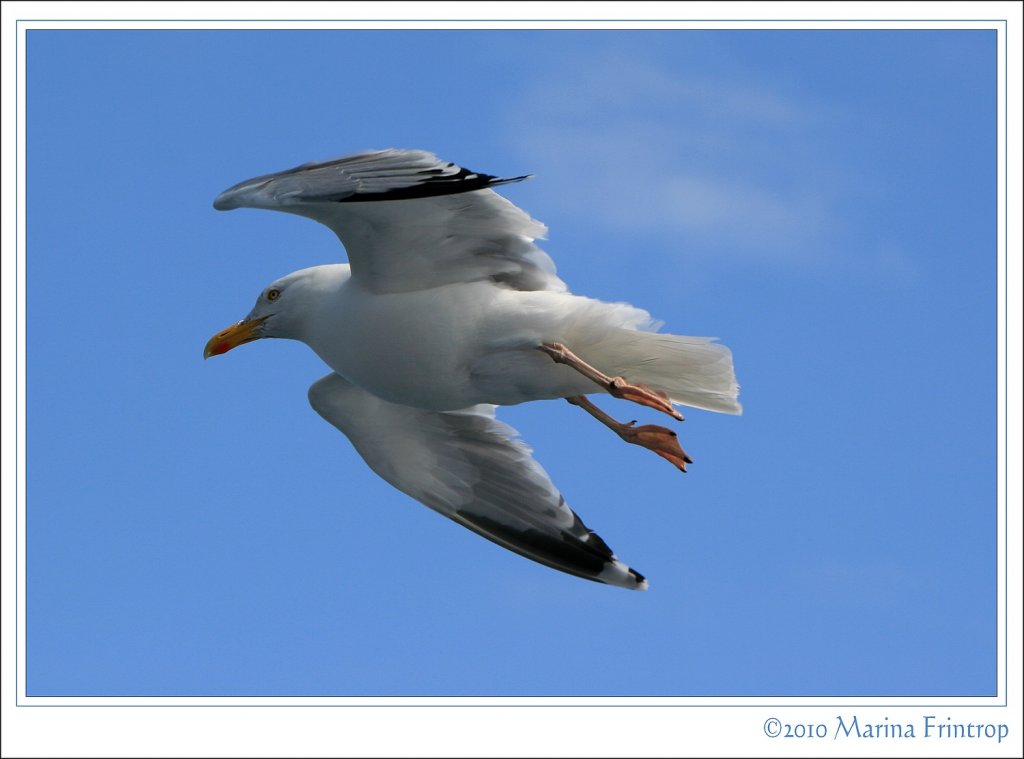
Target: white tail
[
  {"x": 620, "y": 340},
  {"x": 694, "y": 371}
]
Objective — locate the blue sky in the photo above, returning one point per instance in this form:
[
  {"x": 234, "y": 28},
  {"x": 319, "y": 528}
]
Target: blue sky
[{"x": 822, "y": 201}]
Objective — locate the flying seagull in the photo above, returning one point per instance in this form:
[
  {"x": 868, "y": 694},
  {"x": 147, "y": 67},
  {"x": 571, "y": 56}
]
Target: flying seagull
[{"x": 447, "y": 309}]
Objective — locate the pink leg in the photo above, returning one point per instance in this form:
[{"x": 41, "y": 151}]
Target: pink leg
[
  {"x": 617, "y": 386},
  {"x": 661, "y": 440}
]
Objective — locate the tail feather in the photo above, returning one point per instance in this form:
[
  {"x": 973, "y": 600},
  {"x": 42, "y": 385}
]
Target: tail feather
[
  {"x": 622, "y": 340},
  {"x": 693, "y": 371}
]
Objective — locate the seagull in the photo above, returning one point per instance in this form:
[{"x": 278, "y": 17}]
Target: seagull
[{"x": 447, "y": 309}]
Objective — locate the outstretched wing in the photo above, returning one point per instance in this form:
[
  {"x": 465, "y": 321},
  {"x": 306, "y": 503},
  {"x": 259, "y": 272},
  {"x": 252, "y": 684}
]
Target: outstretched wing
[
  {"x": 409, "y": 221},
  {"x": 469, "y": 467}
]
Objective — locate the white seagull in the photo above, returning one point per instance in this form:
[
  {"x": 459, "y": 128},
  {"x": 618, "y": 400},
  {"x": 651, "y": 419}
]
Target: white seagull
[{"x": 447, "y": 309}]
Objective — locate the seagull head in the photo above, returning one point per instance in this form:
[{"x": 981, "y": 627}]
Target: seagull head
[{"x": 282, "y": 309}]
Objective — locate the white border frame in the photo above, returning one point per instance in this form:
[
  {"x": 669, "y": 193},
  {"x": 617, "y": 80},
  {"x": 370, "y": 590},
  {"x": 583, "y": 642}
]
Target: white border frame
[{"x": 710, "y": 723}]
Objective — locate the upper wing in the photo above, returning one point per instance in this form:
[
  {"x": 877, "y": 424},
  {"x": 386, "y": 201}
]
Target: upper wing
[
  {"x": 468, "y": 466},
  {"x": 409, "y": 221}
]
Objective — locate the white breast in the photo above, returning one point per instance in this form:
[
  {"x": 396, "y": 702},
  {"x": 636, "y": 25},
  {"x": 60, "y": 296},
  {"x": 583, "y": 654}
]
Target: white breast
[{"x": 414, "y": 348}]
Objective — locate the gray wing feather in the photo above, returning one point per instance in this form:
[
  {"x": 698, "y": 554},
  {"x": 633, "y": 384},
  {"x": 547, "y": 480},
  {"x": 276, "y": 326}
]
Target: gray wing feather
[
  {"x": 471, "y": 468},
  {"x": 409, "y": 221}
]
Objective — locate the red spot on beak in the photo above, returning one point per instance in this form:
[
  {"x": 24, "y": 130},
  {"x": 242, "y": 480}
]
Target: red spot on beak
[{"x": 244, "y": 331}]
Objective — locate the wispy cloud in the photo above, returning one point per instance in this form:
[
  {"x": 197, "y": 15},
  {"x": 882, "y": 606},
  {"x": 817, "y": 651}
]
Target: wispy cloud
[{"x": 731, "y": 167}]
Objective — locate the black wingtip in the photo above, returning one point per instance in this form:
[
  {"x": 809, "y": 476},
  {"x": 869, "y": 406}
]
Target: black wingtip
[
  {"x": 510, "y": 180},
  {"x": 641, "y": 581},
  {"x": 434, "y": 182}
]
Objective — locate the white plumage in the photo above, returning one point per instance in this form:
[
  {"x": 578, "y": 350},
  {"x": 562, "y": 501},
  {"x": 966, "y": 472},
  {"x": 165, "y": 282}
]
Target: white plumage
[{"x": 447, "y": 309}]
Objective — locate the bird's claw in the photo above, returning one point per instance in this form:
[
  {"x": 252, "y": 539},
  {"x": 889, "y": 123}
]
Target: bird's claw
[
  {"x": 661, "y": 440},
  {"x": 643, "y": 395}
]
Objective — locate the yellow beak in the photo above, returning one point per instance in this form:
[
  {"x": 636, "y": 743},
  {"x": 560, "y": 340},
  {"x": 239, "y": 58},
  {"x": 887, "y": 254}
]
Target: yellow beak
[{"x": 242, "y": 332}]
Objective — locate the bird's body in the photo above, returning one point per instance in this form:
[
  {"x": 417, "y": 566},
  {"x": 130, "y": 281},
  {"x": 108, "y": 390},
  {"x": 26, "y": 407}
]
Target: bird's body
[
  {"x": 448, "y": 309},
  {"x": 448, "y": 334}
]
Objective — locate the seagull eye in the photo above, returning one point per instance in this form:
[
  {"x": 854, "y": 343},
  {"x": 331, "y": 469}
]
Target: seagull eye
[{"x": 273, "y": 294}]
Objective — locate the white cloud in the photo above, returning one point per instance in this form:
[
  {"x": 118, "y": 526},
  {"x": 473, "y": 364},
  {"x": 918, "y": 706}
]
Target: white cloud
[{"x": 731, "y": 168}]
